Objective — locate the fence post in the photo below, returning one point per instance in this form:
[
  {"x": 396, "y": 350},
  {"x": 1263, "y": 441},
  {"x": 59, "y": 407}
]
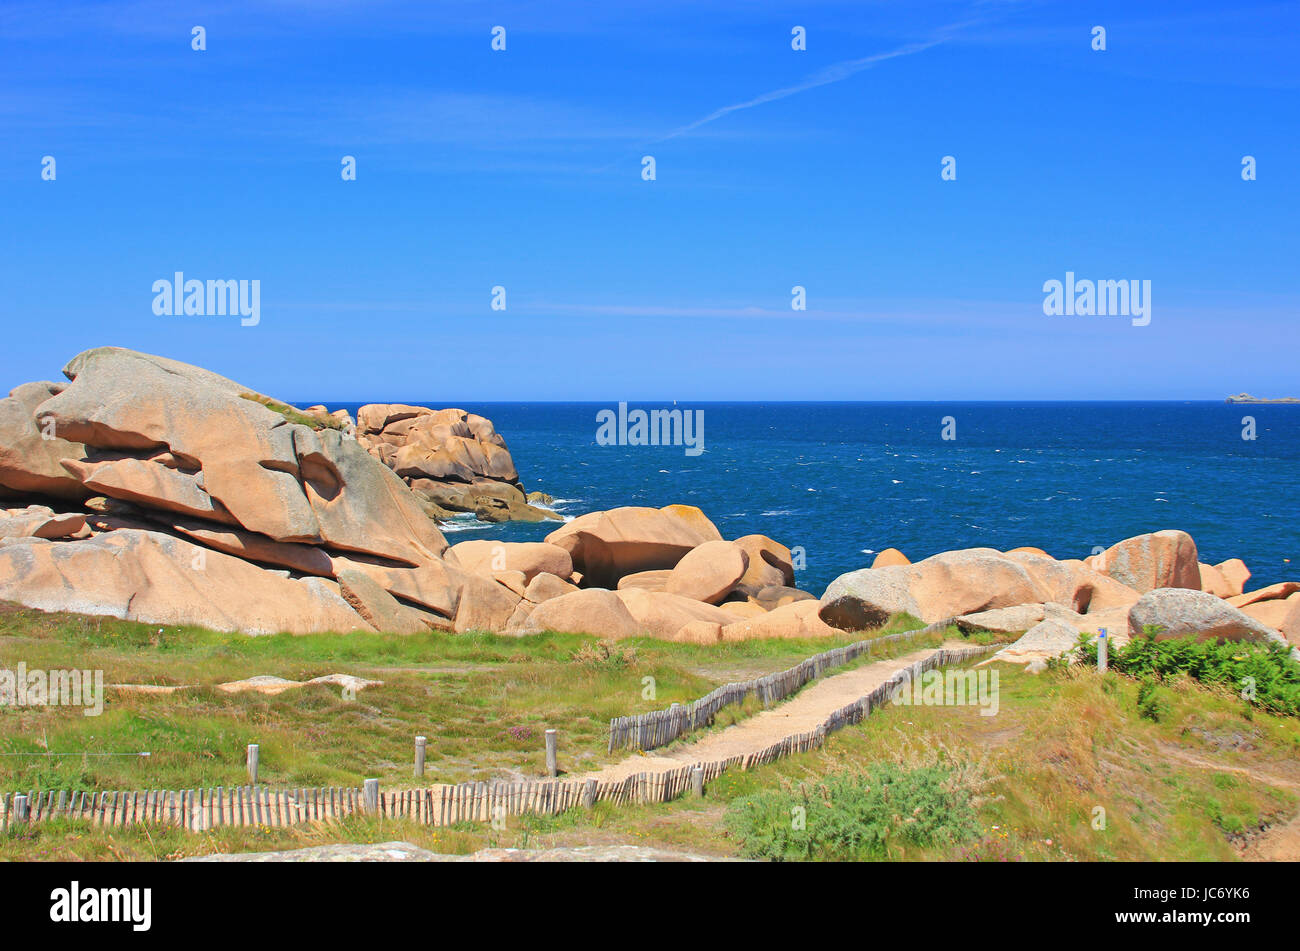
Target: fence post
[
  {"x": 1102, "y": 650},
  {"x": 370, "y": 789},
  {"x": 697, "y": 781},
  {"x": 420, "y": 743},
  {"x": 20, "y": 808},
  {"x": 252, "y": 763},
  {"x": 589, "y": 793},
  {"x": 552, "y": 765}
]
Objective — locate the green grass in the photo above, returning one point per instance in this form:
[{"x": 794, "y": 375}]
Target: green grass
[
  {"x": 1195, "y": 786},
  {"x": 1196, "y": 783},
  {"x": 293, "y": 415},
  {"x": 482, "y": 700}
]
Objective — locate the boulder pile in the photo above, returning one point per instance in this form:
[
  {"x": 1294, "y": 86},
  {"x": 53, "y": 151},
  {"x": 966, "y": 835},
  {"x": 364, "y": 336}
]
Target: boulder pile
[
  {"x": 1153, "y": 580},
  {"x": 668, "y": 573},
  {"x": 148, "y": 489},
  {"x": 454, "y": 460},
  {"x": 151, "y": 490}
]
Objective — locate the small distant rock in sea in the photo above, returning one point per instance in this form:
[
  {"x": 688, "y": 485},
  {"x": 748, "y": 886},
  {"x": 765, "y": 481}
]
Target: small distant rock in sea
[{"x": 1247, "y": 398}]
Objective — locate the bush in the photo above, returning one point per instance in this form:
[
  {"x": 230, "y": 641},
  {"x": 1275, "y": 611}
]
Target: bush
[
  {"x": 1269, "y": 666},
  {"x": 1151, "y": 705},
  {"x": 851, "y": 817},
  {"x": 606, "y": 655}
]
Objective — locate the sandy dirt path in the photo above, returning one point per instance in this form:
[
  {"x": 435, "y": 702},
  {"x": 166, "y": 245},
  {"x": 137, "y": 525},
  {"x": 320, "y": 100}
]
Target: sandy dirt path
[{"x": 803, "y": 713}]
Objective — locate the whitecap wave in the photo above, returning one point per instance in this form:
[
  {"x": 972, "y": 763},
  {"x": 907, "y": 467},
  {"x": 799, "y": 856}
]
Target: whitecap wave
[{"x": 470, "y": 524}]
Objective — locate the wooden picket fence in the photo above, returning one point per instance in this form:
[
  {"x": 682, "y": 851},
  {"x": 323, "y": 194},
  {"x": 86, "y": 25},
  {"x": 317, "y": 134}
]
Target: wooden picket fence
[
  {"x": 200, "y": 809},
  {"x": 194, "y": 809},
  {"x": 648, "y": 731}
]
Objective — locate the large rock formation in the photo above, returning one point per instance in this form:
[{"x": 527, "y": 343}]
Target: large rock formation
[
  {"x": 1165, "y": 559},
  {"x": 213, "y": 504},
  {"x": 152, "y": 490},
  {"x": 709, "y": 572},
  {"x": 456, "y": 461},
  {"x": 150, "y": 576},
  {"x": 971, "y": 581},
  {"x": 1235, "y": 574},
  {"x": 1181, "y": 612},
  {"x": 156, "y": 491},
  {"x": 605, "y": 546}
]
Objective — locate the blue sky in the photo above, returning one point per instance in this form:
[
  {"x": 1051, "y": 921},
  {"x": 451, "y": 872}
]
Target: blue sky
[{"x": 522, "y": 168}]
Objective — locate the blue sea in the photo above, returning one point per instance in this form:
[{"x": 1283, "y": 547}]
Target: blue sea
[{"x": 846, "y": 480}]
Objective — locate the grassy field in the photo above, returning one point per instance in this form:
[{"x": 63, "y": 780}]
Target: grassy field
[
  {"x": 482, "y": 700},
  {"x": 1199, "y": 783}
]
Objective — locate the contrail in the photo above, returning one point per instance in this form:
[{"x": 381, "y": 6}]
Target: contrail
[{"x": 831, "y": 74}]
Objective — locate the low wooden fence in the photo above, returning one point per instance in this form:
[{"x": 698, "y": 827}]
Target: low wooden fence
[
  {"x": 199, "y": 809},
  {"x": 648, "y": 731}
]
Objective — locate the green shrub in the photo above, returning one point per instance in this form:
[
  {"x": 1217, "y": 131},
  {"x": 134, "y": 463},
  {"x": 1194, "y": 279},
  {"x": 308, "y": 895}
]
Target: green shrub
[
  {"x": 1275, "y": 675},
  {"x": 1151, "y": 705},
  {"x": 854, "y": 817}
]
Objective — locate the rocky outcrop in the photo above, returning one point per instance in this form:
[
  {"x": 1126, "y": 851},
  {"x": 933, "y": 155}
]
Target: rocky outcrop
[
  {"x": 378, "y": 608},
  {"x": 209, "y": 503},
  {"x": 1166, "y": 559},
  {"x": 546, "y": 586},
  {"x": 798, "y": 619},
  {"x": 148, "y": 576},
  {"x": 31, "y": 459},
  {"x": 970, "y": 581},
  {"x": 1235, "y": 574},
  {"x": 654, "y": 580},
  {"x": 1273, "y": 613},
  {"x": 1213, "y": 582},
  {"x": 456, "y": 461},
  {"x": 1045, "y": 640},
  {"x": 1281, "y": 590},
  {"x": 152, "y": 490},
  {"x": 708, "y": 572},
  {"x": 596, "y": 611},
  {"x": 770, "y": 563},
  {"x": 532, "y": 558},
  {"x": 201, "y": 501},
  {"x": 1182, "y": 612},
  {"x": 39, "y": 521},
  {"x": 605, "y": 546},
  {"x": 663, "y": 615},
  {"x": 1291, "y": 623},
  {"x": 778, "y": 595},
  {"x": 890, "y": 558},
  {"x": 1013, "y": 620},
  {"x": 272, "y": 685}
]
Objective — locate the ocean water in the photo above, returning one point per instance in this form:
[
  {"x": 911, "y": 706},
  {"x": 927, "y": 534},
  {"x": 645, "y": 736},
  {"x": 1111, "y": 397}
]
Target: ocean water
[{"x": 846, "y": 480}]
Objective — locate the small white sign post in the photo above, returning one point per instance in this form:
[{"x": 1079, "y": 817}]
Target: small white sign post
[{"x": 1102, "y": 652}]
